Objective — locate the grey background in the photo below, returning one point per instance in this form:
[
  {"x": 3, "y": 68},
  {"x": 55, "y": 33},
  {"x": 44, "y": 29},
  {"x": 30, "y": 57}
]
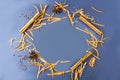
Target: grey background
[{"x": 60, "y": 40}]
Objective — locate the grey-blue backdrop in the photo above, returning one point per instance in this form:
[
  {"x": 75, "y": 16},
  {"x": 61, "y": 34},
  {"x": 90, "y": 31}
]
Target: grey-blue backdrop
[{"x": 60, "y": 40}]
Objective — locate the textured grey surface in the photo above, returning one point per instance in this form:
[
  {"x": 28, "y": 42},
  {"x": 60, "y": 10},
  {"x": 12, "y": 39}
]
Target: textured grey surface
[{"x": 60, "y": 40}]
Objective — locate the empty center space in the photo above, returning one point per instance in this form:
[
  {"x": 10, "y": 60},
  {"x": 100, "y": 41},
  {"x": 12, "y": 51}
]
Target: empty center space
[{"x": 60, "y": 41}]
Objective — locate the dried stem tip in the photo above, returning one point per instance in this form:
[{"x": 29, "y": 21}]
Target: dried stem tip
[
  {"x": 90, "y": 25},
  {"x": 29, "y": 23}
]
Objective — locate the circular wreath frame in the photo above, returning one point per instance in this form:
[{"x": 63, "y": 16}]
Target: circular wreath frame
[{"x": 36, "y": 23}]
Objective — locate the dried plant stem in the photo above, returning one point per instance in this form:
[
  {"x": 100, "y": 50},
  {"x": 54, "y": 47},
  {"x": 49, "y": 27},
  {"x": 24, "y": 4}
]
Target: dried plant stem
[
  {"x": 44, "y": 10},
  {"x": 70, "y": 18},
  {"x": 33, "y": 19},
  {"x": 96, "y": 9},
  {"x": 92, "y": 62},
  {"x": 87, "y": 32},
  {"x": 28, "y": 35},
  {"x": 64, "y": 61},
  {"x": 87, "y": 55},
  {"x": 90, "y": 25},
  {"x": 81, "y": 68},
  {"x": 56, "y": 73},
  {"x": 35, "y": 63},
  {"x": 97, "y": 24},
  {"x": 29, "y": 23}
]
